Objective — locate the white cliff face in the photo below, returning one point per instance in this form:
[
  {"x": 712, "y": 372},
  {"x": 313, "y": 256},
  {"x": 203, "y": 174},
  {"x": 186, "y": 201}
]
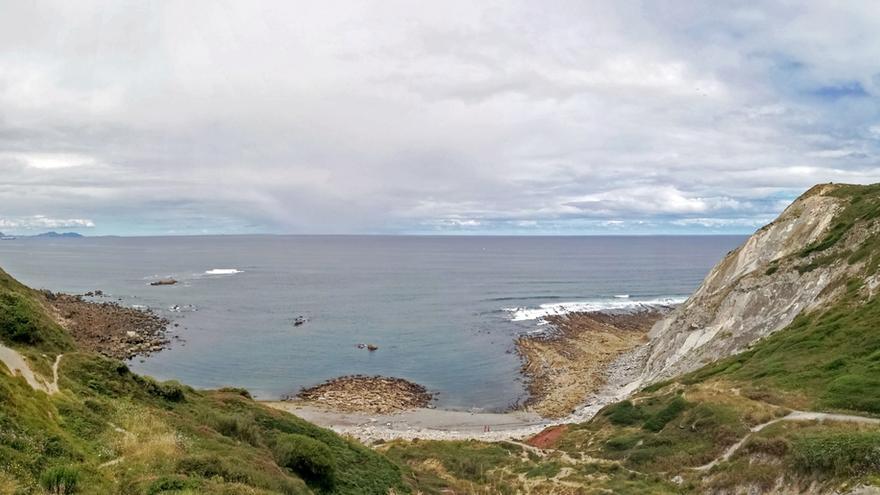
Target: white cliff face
[{"x": 744, "y": 299}]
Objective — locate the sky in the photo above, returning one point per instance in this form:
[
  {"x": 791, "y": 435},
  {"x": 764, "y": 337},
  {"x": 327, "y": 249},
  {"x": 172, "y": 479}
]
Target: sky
[{"x": 453, "y": 117}]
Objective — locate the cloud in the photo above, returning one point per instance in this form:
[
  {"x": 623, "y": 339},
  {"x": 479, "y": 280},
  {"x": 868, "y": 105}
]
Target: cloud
[
  {"x": 385, "y": 117},
  {"x": 38, "y": 222}
]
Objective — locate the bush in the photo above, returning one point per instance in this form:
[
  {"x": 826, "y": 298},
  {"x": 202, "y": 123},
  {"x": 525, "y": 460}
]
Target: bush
[
  {"x": 622, "y": 442},
  {"x": 171, "y": 390},
  {"x": 171, "y": 484},
  {"x": 237, "y": 390},
  {"x": 855, "y": 392},
  {"x": 843, "y": 454},
  {"x": 658, "y": 421},
  {"x": 777, "y": 447},
  {"x": 240, "y": 428},
  {"x": 624, "y": 413},
  {"x": 311, "y": 459},
  {"x": 60, "y": 480},
  {"x": 17, "y": 321}
]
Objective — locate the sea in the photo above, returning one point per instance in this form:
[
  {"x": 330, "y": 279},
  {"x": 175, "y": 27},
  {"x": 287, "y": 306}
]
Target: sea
[{"x": 274, "y": 314}]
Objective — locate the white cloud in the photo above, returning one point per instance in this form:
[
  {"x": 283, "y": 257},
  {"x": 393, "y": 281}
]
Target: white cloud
[
  {"x": 48, "y": 161},
  {"x": 347, "y": 116},
  {"x": 37, "y": 222}
]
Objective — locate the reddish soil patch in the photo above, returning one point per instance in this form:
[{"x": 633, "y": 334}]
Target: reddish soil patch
[{"x": 548, "y": 437}]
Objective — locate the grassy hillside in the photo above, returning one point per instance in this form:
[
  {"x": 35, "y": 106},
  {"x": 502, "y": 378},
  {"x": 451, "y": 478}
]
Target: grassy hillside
[{"x": 111, "y": 431}]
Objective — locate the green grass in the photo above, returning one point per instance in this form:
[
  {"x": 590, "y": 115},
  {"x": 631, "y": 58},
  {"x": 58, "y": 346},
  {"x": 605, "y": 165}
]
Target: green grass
[
  {"x": 863, "y": 206},
  {"x": 830, "y": 357},
  {"x": 853, "y": 453},
  {"x": 24, "y": 322}
]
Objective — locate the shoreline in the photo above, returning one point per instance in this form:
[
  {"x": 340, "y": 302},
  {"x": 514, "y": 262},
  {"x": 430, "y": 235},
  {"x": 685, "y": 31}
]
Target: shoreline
[
  {"x": 446, "y": 424},
  {"x": 108, "y": 328},
  {"x": 610, "y": 379},
  {"x": 421, "y": 423},
  {"x": 566, "y": 365},
  {"x": 586, "y": 361}
]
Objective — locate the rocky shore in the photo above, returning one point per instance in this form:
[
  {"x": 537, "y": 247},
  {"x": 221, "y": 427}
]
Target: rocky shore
[
  {"x": 567, "y": 364},
  {"x": 367, "y": 394},
  {"x": 108, "y": 328}
]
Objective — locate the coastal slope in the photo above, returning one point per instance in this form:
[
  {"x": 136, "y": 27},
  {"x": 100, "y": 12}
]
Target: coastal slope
[{"x": 74, "y": 421}]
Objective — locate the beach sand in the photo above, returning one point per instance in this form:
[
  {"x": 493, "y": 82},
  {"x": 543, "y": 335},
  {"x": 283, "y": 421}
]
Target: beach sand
[{"x": 422, "y": 423}]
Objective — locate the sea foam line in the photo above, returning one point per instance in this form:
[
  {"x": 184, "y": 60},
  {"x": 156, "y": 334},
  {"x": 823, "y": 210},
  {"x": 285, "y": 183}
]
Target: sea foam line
[
  {"x": 222, "y": 271},
  {"x": 561, "y": 308}
]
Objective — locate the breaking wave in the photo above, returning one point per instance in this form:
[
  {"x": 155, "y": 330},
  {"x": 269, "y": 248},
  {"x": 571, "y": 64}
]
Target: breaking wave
[
  {"x": 616, "y": 304},
  {"x": 222, "y": 271}
]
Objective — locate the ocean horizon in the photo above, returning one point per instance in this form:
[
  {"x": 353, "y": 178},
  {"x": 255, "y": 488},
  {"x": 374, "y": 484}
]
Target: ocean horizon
[{"x": 443, "y": 310}]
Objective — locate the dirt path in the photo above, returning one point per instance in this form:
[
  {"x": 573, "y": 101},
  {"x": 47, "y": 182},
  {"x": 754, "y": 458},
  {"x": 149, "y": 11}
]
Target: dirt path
[
  {"x": 793, "y": 416},
  {"x": 17, "y": 365}
]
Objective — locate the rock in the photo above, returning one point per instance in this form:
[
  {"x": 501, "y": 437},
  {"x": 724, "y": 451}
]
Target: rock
[
  {"x": 164, "y": 281},
  {"x": 109, "y": 328},
  {"x": 754, "y": 291},
  {"x": 371, "y": 394}
]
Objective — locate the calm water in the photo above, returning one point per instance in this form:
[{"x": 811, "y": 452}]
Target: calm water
[{"x": 439, "y": 308}]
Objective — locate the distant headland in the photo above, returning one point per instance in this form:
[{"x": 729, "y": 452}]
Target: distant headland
[{"x": 49, "y": 235}]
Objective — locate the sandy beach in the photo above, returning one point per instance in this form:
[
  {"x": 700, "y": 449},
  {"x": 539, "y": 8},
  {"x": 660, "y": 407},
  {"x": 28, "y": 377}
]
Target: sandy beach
[{"x": 423, "y": 423}]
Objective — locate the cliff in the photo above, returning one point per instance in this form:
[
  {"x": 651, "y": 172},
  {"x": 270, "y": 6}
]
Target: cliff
[{"x": 797, "y": 263}]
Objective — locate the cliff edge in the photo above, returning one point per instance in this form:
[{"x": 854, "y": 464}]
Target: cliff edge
[{"x": 798, "y": 262}]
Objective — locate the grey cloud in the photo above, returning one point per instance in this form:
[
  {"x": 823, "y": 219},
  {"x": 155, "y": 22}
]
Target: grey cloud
[{"x": 395, "y": 117}]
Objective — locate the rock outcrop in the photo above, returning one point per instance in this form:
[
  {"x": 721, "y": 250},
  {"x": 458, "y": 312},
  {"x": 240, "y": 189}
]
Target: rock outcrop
[{"x": 758, "y": 288}]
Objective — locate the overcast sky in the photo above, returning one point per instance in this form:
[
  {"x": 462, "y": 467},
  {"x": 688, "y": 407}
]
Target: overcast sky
[{"x": 430, "y": 117}]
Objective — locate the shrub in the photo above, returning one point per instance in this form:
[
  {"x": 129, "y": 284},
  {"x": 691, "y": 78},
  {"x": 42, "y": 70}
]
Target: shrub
[
  {"x": 850, "y": 454},
  {"x": 658, "y": 421},
  {"x": 237, "y": 390},
  {"x": 622, "y": 442},
  {"x": 777, "y": 447},
  {"x": 311, "y": 459},
  {"x": 240, "y": 428},
  {"x": 60, "y": 480},
  {"x": 171, "y": 390},
  {"x": 17, "y": 321},
  {"x": 856, "y": 392},
  {"x": 171, "y": 484},
  {"x": 624, "y": 413}
]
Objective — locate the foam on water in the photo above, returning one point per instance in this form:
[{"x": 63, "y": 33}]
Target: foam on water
[
  {"x": 222, "y": 271},
  {"x": 617, "y": 304}
]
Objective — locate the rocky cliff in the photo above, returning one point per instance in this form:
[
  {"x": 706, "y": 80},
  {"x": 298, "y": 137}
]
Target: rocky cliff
[{"x": 798, "y": 262}]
